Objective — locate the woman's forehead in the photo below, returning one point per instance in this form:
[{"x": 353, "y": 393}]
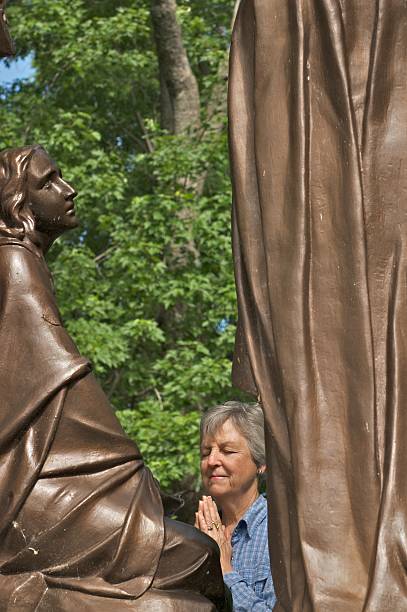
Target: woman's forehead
[{"x": 225, "y": 433}]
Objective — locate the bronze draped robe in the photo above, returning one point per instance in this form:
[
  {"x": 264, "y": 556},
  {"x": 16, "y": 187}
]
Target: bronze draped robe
[
  {"x": 318, "y": 138},
  {"x": 81, "y": 522}
]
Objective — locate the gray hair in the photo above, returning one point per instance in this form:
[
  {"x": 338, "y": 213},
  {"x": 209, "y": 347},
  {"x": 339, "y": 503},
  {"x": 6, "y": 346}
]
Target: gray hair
[{"x": 248, "y": 420}]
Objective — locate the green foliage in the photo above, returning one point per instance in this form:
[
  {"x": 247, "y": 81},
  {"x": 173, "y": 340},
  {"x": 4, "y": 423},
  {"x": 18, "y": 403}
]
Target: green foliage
[
  {"x": 146, "y": 280},
  {"x": 173, "y": 451}
]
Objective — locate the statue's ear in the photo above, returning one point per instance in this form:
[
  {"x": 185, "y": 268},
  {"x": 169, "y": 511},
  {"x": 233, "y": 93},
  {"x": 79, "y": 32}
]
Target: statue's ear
[{"x": 6, "y": 43}]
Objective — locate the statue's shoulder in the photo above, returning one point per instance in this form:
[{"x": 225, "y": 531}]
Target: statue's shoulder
[
  {"x": 13, "y": 250},
  {"x": 18, "y": 262}
]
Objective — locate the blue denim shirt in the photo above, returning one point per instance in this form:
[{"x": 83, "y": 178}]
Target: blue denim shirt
[{"x": 251, "y": 583}]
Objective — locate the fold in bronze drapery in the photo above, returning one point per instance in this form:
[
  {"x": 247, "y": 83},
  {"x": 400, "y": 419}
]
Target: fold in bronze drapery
[{"x": 318, "y": 137}]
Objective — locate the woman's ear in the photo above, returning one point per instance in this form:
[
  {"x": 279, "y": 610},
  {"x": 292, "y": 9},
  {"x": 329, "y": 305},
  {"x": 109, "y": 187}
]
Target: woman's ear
[{"x": 261, "y": 470}]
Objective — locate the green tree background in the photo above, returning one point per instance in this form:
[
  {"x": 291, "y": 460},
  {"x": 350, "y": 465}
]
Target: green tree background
[{"x": 146, "y": 284}]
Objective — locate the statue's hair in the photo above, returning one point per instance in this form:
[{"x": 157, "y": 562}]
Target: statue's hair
[
  {"x": 16, "y": 217},
  {"x": 248, "y": 420}
]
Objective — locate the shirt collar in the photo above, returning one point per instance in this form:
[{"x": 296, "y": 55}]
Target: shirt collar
[{"x": 253, "y": 516}]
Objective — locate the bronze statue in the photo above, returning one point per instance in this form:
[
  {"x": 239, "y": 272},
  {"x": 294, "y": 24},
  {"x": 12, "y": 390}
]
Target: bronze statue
[
  {"x": 82, "y": 522},
  {"x": 318, "y": 133}
]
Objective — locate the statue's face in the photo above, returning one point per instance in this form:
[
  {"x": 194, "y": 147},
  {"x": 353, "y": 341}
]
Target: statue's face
[
  {"x": 6, "y": 44},
  {"x": 50, "y": 198}
]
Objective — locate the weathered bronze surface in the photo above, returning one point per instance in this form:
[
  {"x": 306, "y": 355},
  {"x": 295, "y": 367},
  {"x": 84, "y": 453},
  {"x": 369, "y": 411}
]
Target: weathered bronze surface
[
  {"x": 6, "y": 44},
  {"x": 318, "y": 133},
  {"x": 82, "y": 524}
]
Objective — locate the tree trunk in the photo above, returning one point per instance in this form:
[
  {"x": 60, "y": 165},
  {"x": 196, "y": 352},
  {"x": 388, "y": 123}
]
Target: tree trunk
[{"x": 180, "y": 104}]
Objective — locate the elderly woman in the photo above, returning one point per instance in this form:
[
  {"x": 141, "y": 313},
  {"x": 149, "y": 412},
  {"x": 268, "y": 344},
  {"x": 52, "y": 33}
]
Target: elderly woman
[
  {"x": 82, "y": 523},
  {"x": 232, "y": 462}
]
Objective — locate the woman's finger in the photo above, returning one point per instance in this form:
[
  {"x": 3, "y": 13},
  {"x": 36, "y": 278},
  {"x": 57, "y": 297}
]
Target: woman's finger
[
  {"x": 211, "y": 508},
  {"x": 210, "y": 505},
  {"x": 203, "y": 525},
  {"x": 201, "y": 522},
  {"x": 203, "y": 514},
  {"x": 207, "y": 513},
  {"x": 215, "y": 512}
]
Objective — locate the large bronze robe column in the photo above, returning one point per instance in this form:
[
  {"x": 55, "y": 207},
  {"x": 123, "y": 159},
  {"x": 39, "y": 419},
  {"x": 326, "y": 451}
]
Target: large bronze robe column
[{"x": 318, "y": 135}]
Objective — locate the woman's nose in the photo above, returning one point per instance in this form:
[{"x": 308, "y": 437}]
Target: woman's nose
[{"x": 213, "y": 459}]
